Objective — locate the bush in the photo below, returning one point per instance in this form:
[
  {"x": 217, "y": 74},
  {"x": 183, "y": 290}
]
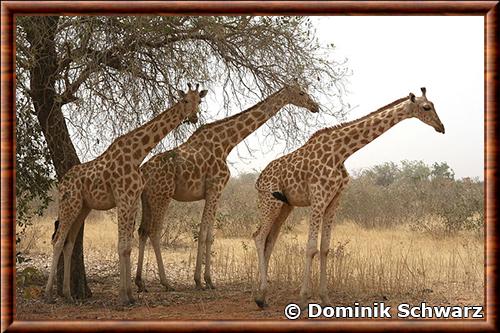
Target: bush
[{"x": 388, "y": 195}]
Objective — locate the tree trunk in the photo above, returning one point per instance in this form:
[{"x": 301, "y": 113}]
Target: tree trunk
[{"x": 40, "y": 31}]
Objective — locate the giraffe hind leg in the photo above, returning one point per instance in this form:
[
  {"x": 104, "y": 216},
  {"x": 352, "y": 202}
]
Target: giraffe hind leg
[
  {"x": 69, "y": 209},
  {"x": 144, "y": 230},
  {"x": 68, "y": 251},
  {"x": 269, "y": 209},
  {"x": 274, "y": 232},
  {"x": 126, "y": 209},
  {"x": 141, "y": 287}
]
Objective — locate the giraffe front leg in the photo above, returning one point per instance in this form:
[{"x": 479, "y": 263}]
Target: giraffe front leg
[
  {"x": 209, "y": 217},
  {"x": 126, "y": 214},
  {"x": 325, "y": 248},
  {"x": 124, "y": 250},
  {"x": 199, "y": 256}
]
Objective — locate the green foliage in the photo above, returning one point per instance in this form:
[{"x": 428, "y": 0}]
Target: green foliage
[
  {"x": 34, "y": 174},
  {"x": 427, "y": 198}
]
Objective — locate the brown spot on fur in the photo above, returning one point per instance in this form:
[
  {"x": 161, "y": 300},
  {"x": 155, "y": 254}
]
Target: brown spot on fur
[{"x": 136, "y": 154}]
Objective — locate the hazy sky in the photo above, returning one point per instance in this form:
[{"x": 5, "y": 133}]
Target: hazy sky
[{"x": 391, "y": 56}]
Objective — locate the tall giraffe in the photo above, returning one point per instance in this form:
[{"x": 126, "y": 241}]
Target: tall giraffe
[
  {"x": 314, "y": 175},
  {"x": 113, "y": 180},
  {"x": 198, "y": 170}
]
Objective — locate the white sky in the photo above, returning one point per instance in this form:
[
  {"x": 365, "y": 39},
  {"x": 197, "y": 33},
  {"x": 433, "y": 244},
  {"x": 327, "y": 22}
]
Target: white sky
[{"x": 391, "y": 56}]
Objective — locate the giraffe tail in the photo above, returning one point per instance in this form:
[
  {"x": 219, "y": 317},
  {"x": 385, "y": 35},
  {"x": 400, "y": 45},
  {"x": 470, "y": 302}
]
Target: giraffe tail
[
  {"x": 56, "y": 227},
  {"x": 280, "y": 196}
]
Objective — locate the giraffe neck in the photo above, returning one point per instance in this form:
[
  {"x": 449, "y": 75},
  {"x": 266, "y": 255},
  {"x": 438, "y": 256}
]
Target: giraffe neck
[
  {"x": 368, "y": 129},
  {"x": 139, "y": 142},
  {"x": 228, "y": 132},
  {"x": 349, "y": 138}
]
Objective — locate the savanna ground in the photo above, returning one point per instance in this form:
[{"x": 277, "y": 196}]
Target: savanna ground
[
  {"x": 366, "y": 266},
  {"x": 426, "y": 258}
]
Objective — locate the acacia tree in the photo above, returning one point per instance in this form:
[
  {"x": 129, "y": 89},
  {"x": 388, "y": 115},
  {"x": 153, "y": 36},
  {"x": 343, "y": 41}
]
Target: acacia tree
[{"x": 86, "y": 80}]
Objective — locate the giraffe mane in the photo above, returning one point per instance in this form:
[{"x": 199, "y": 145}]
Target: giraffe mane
[
  {"x": 219, "y": 121},
  {"x": 348, "y": 123}
]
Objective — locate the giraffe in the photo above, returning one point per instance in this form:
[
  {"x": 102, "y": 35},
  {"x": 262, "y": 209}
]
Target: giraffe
[
  {"x": 314, "y": 175},
  {"x": 198, "y": 170},
  {"x": 113, "y": 180}
]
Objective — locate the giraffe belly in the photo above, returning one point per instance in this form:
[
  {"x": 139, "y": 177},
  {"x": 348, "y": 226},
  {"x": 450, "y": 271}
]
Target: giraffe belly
[
  {"x": 296, "y": 187},
  {"x": 98, "y": 195},
  {"x": 189, "y": 191},
  {"x": 298, "y": 197},
  {"x": 100, "y": 202}
]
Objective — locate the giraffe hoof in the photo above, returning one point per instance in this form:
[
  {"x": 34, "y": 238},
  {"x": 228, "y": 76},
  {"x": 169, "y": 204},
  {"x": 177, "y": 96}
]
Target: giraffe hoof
[
  {"x": 199, "y": 286},
  {"x": 261, "y": 303}
]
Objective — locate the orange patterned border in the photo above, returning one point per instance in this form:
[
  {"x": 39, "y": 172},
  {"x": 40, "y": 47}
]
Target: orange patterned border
[{"x": 488, "y": 9}]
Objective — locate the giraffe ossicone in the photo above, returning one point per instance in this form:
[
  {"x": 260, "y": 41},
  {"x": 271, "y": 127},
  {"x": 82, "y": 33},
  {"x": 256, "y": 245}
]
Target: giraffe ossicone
[
  {"x": 314, "y": 175},
  {"x": 113, "y": 180}
]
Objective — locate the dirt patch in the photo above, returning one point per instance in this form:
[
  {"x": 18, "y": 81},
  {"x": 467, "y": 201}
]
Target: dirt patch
[{"x": 230, "y": 301}]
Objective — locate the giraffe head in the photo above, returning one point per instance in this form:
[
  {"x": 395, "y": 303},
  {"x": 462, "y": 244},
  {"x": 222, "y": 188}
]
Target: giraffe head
[
  {"x": 190, "y": 102},
  {"x": 423, "y": 109},
  {"x": 298, "y": 96}
]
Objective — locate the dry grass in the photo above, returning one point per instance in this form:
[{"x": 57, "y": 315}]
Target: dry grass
[{"x": 362, "y": 262}]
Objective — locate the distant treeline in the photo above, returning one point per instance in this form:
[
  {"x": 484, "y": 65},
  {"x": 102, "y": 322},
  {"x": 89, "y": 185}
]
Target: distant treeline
[{"x": 425, "y": 198}]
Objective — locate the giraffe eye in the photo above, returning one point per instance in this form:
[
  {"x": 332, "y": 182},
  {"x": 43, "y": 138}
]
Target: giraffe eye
[
  {"x": 427, "y": 107},
  {"x": 186, "y": 101},
  {"x": 301, "y": 94}
]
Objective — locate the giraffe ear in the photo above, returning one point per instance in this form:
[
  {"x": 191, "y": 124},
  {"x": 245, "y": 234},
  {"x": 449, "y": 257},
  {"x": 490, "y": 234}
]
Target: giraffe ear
[
  {"x": 181, "y": 93},
  {"x": 412, "y": 97},
  {"x": 203, "y": 93}
]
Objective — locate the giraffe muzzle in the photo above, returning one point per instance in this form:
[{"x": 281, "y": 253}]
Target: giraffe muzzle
[{"x": 440, "y": 129}]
